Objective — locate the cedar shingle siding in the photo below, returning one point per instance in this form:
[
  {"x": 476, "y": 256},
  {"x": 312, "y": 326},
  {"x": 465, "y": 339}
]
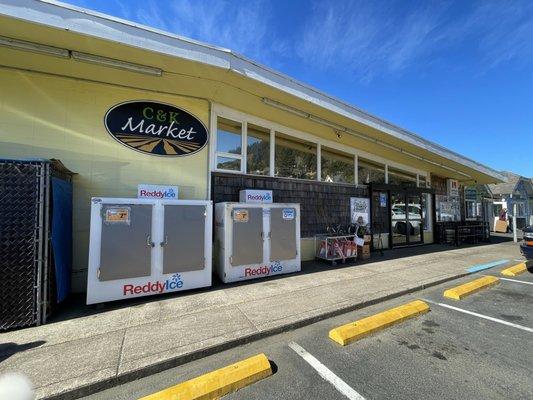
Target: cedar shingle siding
[{"x": 321, "y": 203}]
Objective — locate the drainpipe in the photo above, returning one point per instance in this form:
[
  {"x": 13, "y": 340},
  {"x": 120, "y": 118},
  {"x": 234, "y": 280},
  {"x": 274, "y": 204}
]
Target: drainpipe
[{"x": 514, "y": 223}]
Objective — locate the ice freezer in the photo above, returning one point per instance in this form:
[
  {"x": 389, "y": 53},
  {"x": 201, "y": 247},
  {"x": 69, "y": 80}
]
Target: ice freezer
[
  {"x": 256, "y": 240},
  {"x": 142, "y": 247}
]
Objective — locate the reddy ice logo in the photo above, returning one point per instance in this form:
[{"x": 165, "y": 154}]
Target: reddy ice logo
[
  {"x": 255, "y": 196},
  {"x": 159, "y": 192},
  {"x": 258, "y": 197},
  {"x": 157, "y": 287},
  {"x": 264, "y": 271}
]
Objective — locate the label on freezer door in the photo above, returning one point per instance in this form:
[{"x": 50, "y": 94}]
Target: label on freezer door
[
  {"x": 117, "y": 215},
  {"x": 288, "y": 213},
  {"x": 240, "y": 215}
]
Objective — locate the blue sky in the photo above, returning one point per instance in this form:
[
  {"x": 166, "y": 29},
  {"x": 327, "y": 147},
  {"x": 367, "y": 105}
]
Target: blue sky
[{"x": 459, "y": 73}]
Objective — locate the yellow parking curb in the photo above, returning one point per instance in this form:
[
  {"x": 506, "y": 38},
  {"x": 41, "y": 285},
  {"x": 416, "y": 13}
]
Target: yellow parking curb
[
  {"x": 219, "y": 382},
  {"x": 356, "y": 330},
  {"x": 458, "y": 292},
  {"x": 515, "y": 270}
]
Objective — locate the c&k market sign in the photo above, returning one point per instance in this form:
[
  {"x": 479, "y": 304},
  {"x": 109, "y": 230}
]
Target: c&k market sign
[{"x": 156, "y": 128}]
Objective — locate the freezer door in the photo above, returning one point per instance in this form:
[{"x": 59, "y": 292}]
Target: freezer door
[
  {"x": 125, "y": 250},
  {"x": 184, "y": 245},
  {"x": 247, "y": 247},
  {"x": 282, "y": 234}
]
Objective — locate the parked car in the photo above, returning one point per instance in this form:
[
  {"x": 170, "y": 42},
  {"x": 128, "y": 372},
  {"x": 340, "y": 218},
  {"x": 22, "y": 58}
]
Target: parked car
[
  {"x": 398, "y": 218},
  {"x": 526, "y": 247}
]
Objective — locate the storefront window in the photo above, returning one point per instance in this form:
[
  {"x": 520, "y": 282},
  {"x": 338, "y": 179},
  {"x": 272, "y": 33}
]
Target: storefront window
[
  {"x": 230, "y": 164},
  {"x": 472, "y": 209},
  {"x": 336, "y": 166},
  {"x": 447, "y": 208},
  {"x": 294, "y": 158},
  {"x": 370, "y": 172},
  {"x": 229, "y": 136},
  {"x": 520, "y": 210},
  {"x": 401, "y": 178},
  {"x": 258, "y": 150},
  {"x": 229, "y": 144}
]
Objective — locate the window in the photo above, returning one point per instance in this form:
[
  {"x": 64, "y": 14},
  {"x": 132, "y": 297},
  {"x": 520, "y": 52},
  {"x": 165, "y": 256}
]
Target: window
[
  {"x": 520, "y": 210},
  {"x": 294, "y": 158},
  {"x": 336, "y": 166},
  {"x": 472, "y": 209},
  {"x": 447, "y": 208},
  {"x": 228, "y": 163},
  {"x": 229, "y": 144},
  {"x": 422, "y": 182},
  {"x": 401, "y": 178},
  {"x": 369, "y": 171},
  {"x": 257, "y": 150}
]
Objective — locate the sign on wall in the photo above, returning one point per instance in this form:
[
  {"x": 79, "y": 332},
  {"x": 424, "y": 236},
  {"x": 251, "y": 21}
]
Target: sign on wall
[
  {"x": 360, "y": 210},
  {"x": 470, "y": 193},
  {"x": 453, "y": 187},
  {"x": 161, "y": 192},
  {"x": 156, "y": 128}
]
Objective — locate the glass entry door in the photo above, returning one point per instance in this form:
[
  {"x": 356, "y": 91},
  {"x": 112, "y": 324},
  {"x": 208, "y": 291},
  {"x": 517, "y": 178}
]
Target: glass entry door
[{"x": 406, "y": 218}]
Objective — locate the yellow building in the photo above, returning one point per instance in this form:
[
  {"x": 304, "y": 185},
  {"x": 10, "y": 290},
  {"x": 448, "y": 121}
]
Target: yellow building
[{"x": 63, "y": 68}]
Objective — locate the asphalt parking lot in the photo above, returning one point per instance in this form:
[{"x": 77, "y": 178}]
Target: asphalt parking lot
[{"x": 480, "y": 347}]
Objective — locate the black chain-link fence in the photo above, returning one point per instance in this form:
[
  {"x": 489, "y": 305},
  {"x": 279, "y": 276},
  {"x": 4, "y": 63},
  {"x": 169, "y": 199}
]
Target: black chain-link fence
[{"x": 21, "y": 242}]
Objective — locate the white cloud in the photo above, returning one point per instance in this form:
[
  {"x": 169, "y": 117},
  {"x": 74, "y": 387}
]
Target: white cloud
[
  {"x": 361, "y": 38},
  {"x": 366, "y": 38},
  {"x": 242, "y": 26},
  {"x": 370, "y": 39}
]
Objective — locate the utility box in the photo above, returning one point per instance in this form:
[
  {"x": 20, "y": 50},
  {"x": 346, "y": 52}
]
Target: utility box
[
  {"x": 256, "y": 240},
  {"x": 142, "y": 247}
]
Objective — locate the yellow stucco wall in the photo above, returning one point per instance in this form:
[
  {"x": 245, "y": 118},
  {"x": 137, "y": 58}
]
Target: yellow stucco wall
[{"x": 53, "y": 117}]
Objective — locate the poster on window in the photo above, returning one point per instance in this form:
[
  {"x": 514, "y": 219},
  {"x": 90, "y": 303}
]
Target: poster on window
[{"x": 360, "y": 210}]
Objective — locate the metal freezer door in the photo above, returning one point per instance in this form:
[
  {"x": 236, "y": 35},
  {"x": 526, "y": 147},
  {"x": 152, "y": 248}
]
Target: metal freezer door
[
  {"x": 282, "y": 234},
  {"x": 184, "y": 245},
  {"x": 125, "y": 250},
  {"x": 247, "y": 246}
]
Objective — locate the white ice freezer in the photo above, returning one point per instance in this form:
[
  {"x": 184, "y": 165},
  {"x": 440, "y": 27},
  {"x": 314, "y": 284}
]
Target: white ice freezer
[
  {"x": 256, "y": 240},
  {"x": 142, "y": 247}
]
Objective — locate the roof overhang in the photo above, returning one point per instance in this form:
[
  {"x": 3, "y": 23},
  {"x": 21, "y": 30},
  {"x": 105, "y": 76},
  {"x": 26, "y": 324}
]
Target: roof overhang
[{"x": 195, "y": 66}]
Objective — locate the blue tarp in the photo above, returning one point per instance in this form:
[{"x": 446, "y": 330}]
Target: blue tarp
[{"x": 62, "y": 234}]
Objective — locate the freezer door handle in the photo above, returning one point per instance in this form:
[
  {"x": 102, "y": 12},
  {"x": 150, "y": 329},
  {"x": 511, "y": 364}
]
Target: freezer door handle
[
  {"x": 149, "y": 242},
  {"x": 162, "y": 244}
]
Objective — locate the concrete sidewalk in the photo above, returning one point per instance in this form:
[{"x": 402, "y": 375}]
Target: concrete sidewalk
[{"x": 78, "y": 356}]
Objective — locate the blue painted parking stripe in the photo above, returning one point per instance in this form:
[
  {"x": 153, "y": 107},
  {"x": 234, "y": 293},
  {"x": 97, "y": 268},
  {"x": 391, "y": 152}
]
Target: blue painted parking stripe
[{"x": 481, "y": 267}]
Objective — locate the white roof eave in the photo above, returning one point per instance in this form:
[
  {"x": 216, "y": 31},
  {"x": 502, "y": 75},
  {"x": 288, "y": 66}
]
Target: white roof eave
[{"x": 87, "y": 22}]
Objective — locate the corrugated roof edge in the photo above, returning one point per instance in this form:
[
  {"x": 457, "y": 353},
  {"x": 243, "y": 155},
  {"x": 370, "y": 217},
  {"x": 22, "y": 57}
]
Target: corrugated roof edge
[{"x": 178, "y": 46}]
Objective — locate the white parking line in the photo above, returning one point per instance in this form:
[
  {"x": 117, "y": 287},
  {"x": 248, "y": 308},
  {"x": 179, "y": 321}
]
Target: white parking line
[
  {"x": 325, "y": 373},
  {"x": 517, "y": 281},
  {"x": 500, "y": 321}
]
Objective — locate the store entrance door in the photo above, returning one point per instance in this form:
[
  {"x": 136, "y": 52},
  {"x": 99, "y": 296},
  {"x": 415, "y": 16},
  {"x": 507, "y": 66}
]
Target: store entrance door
[{"x": 406, "y": 218}]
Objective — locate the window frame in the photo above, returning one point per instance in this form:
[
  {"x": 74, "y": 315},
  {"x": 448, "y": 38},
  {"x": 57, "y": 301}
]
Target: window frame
[
  {"x": 218, "y": 110},
  {"x": 241, "y": 157}
]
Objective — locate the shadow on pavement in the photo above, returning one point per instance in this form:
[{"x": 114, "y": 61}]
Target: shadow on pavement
[
  {"x": 75, "y": 307},
  {"x": 10, "y": 348}
]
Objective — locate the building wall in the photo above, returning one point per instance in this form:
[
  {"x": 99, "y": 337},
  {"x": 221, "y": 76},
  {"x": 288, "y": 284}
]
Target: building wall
[
  {"x": 321, "y": 203},
  {"x": 53, "y": 117}
]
